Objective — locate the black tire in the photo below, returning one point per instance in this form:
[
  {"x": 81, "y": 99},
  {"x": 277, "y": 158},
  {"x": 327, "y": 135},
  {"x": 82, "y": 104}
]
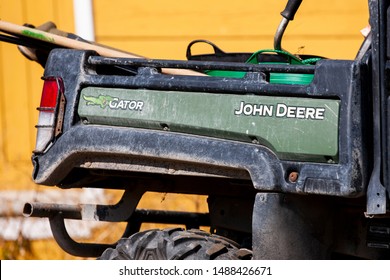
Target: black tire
[{"x": 176, "y": 244}]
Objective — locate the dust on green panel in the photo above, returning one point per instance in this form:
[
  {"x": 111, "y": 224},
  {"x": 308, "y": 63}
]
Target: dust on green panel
[{"x": 294, "y": 128}]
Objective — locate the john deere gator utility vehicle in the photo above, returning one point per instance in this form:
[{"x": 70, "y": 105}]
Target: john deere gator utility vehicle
[{"x": 292, "y": 151}]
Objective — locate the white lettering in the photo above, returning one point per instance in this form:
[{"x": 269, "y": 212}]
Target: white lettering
[
  {"x": 121, "y": 104},
  {"x": 281, "y": 110},
  {"x": 263, "y": 110},
  {"x": 113, "y": 103},
  {"x": 268, "y": 110},
  {"x": 291, "y": 112},
  {"x": 258, "y": 109},
  {"x": 320, "y": 112},
  {"x": 139, "y": 106},
  {"x": 239, "y": 111},
  {"x": 126, "y": 103},
  {"x": 300, "y": 112},
  {"x": 133, "y": 105},
  {"x": 310, "y": 112},
  {"x": 248, "y": 109}
]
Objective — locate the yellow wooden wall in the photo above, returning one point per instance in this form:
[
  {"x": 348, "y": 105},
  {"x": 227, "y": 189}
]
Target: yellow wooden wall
[
  {"x": 163, "y": 28},
  {"x": 20, "y": 89}
]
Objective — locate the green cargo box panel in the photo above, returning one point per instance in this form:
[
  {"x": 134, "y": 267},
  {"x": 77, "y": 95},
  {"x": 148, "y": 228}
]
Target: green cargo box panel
[{"x": 304, "y": 129}]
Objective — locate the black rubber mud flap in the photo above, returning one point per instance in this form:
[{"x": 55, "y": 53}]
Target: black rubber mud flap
[{"x": 176, "y": 244}]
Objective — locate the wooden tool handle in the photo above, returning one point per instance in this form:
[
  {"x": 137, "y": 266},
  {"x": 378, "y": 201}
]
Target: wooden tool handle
[{"x": 65, "y": 42}]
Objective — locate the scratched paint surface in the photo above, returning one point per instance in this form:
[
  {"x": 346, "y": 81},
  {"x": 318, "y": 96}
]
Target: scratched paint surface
[
  {"x": 37, "y": 35},
  {"x": 294, "y": 128}
]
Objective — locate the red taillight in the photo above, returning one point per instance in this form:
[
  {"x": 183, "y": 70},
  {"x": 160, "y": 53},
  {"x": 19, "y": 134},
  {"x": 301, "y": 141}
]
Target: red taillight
[
  {"x": 49, "y": 94},
  {"x": 51, "y": 111}
]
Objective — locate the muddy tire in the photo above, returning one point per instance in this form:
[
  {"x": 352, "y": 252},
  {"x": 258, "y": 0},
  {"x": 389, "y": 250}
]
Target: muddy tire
[{"x": 175, "y": 244}]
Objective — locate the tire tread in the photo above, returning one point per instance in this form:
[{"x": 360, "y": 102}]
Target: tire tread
[{"x": 175, "y": 244}]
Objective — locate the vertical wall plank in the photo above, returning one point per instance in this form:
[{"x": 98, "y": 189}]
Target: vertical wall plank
[
  {"x": 20, "y": 89},
  {"x": 14, "y": 92}
]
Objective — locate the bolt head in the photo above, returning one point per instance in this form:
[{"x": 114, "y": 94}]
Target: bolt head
[{"x": 293, "y": 177}]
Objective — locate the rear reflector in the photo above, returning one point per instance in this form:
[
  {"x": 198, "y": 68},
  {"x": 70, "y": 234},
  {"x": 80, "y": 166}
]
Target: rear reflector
[
  {"x": 51, "y": 112},
  {"x": 49, "y": 94}
]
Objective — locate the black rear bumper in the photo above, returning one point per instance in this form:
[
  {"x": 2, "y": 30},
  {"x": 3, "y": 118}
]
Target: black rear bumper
[{"x": 137, "y": 150}]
